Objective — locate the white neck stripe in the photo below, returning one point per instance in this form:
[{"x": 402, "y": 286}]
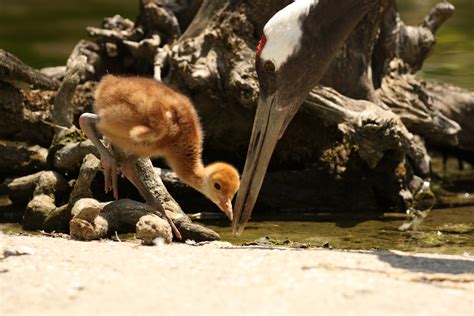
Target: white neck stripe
[{"x": 284, "y": 32}]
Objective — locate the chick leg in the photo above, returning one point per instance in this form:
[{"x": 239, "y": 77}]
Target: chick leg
[
  {"x": 88, "y": 121},
  {"x": 129, "y": 170}
]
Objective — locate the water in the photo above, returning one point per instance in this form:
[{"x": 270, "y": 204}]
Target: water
[
  {"x": 43, "y": 33},
  {"x": 449, "y": 231}
]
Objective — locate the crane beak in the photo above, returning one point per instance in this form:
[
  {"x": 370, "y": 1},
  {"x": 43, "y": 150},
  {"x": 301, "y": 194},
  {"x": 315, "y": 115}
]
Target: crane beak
[{"x": 270, "y": 123}]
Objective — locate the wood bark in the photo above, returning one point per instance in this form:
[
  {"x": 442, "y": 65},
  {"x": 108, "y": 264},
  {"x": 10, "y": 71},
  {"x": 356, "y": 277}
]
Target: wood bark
[
  {"x": 13, "y": 70},
  {"x": 24, "y": 115}
]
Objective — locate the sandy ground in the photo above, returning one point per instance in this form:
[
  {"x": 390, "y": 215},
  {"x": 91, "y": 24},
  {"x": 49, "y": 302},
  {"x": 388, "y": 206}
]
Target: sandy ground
[{"x": 64, "y": 277}]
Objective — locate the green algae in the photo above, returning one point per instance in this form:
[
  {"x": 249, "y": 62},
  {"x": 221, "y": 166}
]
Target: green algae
[{"x": 444, "y": 231}]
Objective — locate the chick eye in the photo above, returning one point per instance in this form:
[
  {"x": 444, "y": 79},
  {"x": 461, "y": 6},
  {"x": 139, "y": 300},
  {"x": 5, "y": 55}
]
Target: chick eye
[
  {"x": 217, "y": 186},
  {"x": 269, "y": 66}
]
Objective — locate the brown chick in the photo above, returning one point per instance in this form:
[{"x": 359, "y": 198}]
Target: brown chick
[{"x": 148, "y": 119}]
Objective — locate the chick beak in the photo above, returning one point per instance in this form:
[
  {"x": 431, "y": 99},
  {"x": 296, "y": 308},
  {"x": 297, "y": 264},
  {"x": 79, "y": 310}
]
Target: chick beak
[{"x": 226, "y": 207}]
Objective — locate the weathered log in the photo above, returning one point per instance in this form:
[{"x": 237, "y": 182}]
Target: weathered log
[
  {"x": 156, "y": 18},
  {"x": 21, "y": 190},
  {"x": 115, "y": 28},
  {"x": 458, "y": 105},
  {"x": 373, "y": 130},
  {"x": 24, "y": 115},
  {"x": 21, "y": 158},
  {"x": 69, "y": 157},
  {"x": 82, "y": 190},
  {"x": 75, "y": 73},
  {"x": 412, "y": 102},
  {"x": 56, "y": 73},
  {"x": 82, "y": 186},
  {"x": 154, "y": 184},
  {"x": 42, "y": 214},
  {"x": 184, "y": 10},
  {"x": 41, "y": 190},
  {"x": 14, "y": 71},
  {"x": 398, "y": 40}
]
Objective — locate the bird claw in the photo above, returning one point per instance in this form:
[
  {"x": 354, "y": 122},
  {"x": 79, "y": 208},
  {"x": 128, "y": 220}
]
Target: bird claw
[
  {"x": 162, "y": 209},
  {"x": 110, "y": 176}
]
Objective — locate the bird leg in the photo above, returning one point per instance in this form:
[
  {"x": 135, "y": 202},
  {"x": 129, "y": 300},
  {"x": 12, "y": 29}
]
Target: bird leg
[
  {"x": 129, "y": 170},
  {"x": 88, "y": 122}
]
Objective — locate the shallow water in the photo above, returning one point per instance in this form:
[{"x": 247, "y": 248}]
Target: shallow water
[
  {"x": 43, "y": 33},
  {"x": 448, "y": 231}
]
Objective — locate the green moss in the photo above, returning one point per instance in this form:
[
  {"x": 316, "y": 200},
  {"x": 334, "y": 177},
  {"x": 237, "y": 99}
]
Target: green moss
[
  {"x": 69, "y": 136},
  {"x": 457, "y": 228}
]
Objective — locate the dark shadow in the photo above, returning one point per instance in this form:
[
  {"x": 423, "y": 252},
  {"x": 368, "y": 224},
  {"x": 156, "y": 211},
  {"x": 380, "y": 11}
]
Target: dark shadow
[
  {"x": 427, "y": 264},
  {"x": 341, "y": 220}
]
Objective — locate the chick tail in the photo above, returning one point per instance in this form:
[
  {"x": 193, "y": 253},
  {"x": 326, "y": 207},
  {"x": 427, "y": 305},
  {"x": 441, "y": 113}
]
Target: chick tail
[{"x": 142, "y": 133}]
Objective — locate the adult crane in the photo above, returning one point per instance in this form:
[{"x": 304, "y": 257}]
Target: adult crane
[{"x": 296, "y": 48}]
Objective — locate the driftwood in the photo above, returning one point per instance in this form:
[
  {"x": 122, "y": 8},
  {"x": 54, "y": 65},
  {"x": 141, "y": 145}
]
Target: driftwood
[
  {"x": 15, "y": 71},
  {"x": 42, "y": 212},
  {"x": 63, "y": 113},
  {"x": 458, "y": 105},
  {"x": 416, "y": 110},
  {"x": 21, "y": 190},
  {"x": 24, "y": 115},
  {"x": 411, "y": 44},
  {"x": 21, "y": 158}
]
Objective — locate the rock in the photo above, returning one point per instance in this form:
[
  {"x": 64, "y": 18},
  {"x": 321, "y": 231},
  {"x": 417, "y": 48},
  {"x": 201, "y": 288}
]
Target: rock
[
  {"x": 19, "y": 251},
  {"x": 86, "y": 209},
  {"x": 82, "y": 230},
  {"x": 37, "y": 212},
  {"x": 150, "y": 227}
]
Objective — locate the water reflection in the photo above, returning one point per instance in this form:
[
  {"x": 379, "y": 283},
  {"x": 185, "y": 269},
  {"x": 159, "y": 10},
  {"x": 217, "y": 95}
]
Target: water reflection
[{"x": 444, "y": 231}]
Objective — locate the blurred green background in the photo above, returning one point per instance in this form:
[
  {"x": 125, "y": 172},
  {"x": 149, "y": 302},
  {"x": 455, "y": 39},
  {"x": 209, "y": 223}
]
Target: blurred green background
[{"x": 43, "y": 33}]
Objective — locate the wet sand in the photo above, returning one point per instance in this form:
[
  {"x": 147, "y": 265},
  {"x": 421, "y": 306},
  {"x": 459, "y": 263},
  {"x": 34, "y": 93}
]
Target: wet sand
[{"x": 65, "y": 277}]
